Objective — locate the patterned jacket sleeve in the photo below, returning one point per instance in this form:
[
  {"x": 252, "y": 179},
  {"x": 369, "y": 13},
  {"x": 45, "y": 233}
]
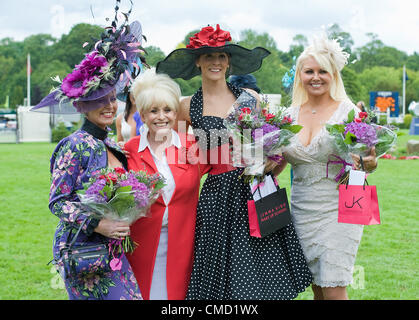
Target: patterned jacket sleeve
[{"x": 66, "y": 170}]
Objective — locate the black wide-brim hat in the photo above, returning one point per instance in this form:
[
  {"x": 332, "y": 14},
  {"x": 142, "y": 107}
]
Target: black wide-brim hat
[{"x": 180, "y": 63}]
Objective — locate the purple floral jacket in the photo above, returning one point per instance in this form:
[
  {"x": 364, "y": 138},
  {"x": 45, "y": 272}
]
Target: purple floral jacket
[{"x": 75, "y": 159}]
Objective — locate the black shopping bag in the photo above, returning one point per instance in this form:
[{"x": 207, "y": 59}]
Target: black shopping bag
[{"x": 268, "y": 214}]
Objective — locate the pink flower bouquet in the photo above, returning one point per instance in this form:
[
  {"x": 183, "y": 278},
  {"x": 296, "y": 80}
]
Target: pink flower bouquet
[
  {"x": 358, "y": 135},
  {"x": 260, "y": 133},
  {"x": 119, "y": 195}
]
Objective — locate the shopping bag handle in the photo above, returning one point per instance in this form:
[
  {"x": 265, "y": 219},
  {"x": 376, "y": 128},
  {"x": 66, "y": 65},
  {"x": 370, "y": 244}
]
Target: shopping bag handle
[
  {"x": 257, "y": 189},
  {"x": 362, "y": 163},
  {"x": 362, "y": 167},
  {"x": 275, "y": 182}
]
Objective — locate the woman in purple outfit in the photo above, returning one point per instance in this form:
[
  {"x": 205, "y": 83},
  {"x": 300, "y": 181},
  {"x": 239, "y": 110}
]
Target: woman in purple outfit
[
  {"x": 75, "y": 159},
  {"x": 91, "y": 89}
]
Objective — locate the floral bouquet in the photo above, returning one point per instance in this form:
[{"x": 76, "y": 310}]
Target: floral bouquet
[
  {"x": 358, "y": 135},
  {"x": 119, "y": 195},
  {"x": 261, "y": 134}
]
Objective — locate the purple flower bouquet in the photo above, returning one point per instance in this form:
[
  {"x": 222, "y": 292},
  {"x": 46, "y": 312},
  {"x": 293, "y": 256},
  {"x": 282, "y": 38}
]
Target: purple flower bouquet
[
  {"x": 258, "y": 134},
  {"x": 358, "y": 135},
  {"x": 119, "y": 195}
]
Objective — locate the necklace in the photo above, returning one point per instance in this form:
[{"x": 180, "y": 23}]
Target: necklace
[{"x": 313, "y": 111}]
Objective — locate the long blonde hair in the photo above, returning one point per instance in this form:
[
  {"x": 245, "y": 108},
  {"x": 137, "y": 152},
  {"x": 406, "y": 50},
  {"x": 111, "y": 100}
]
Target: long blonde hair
[{"x": 330, "y": 56}]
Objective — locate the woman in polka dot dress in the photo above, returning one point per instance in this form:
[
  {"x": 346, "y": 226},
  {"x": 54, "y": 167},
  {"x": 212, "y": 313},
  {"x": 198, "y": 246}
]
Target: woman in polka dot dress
[{"x": 229, "y": 263}]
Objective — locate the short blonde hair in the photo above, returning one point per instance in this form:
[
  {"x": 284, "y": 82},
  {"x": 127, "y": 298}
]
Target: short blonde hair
[
  {"x": 330, "y": 56},
  {"x": 151, "y": 88}
]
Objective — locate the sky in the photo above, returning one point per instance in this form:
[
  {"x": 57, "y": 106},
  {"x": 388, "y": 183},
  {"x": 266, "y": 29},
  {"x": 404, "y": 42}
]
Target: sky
[{"x": 166, "y": 22}]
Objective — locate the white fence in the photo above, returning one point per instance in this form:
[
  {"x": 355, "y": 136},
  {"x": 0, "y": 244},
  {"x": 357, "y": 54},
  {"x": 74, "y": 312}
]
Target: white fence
[{"x": 33, "y": 126}]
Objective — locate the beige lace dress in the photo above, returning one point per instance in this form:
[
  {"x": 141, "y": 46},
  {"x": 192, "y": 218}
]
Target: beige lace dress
[{"x": 330, "y": 247}]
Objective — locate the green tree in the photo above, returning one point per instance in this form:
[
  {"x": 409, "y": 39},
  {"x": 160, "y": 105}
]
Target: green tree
[
  {"x": 251, "y": 39},
  {"x": 10, "y": 48},
  {"x": 189, "y": 87},
  {"x": 375, "y": 53},
  {"x": 41, "y": 79},
  {"x": 412, "y": 62},
  {"x": 380, "y": 79},
  {"x": 7, "y": 64},
  {"x": 69, "y": 48},
  {"x": 189, "y": 35},
  {"x": 344, "y": 38},
  {"x": 379, "y": 67},
  {"x": 16, "y": 85},
  {"x": 269, "y": 76},
  {"x": 154, "y": 55},
  {"x": 299, "y": 42},
  {"x": 39, "y": 47},
  {"x": 13, "y": 75},
  {"x": 353, "y": 86},
  {"x": 412, "y": 86}
]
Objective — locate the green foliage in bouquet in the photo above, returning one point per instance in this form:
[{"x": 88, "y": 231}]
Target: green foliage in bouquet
[
  {"x": 358, "y": 135},
  {"x": 119, "y": 195}
]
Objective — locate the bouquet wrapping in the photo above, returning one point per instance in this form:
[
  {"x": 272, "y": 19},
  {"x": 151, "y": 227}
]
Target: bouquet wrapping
[
  {"x": 119, "y": 195},
  {"x": 358, "y": 135},
  {"x": 258, "y": 134}
]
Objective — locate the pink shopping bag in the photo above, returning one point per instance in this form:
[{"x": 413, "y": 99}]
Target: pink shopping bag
[
  {"x": 253, "y": 219},
  {"x": 358, "y": 205}
]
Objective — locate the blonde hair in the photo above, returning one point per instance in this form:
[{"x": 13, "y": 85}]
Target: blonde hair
[
  {"x": 330, "y": 56},
  {"x": 151, "y": 88}
]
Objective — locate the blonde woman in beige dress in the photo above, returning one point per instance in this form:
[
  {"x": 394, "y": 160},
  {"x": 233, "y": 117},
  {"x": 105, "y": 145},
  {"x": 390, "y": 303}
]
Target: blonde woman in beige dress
[{"x": 319, "y": 98}]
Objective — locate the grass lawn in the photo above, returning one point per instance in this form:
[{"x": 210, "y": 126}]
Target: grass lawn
[
  {"x": 27, "y": 227},
  {"x": 386, "y": 265}
]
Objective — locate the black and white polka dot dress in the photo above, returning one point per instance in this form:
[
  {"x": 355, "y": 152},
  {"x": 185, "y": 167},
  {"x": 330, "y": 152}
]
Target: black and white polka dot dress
[{"x": 229, "y": 263}]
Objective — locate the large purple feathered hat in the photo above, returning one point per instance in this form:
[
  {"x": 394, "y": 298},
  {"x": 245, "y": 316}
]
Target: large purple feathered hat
[{"x": 106, "y": 67}]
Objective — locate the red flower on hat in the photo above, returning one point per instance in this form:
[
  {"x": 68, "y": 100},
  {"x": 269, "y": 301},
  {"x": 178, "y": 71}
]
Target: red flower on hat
[{"x": 209, "y": 37}]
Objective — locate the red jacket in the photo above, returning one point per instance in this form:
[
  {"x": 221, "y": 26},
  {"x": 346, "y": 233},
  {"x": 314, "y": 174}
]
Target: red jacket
[{"x": 181, "y": 229}]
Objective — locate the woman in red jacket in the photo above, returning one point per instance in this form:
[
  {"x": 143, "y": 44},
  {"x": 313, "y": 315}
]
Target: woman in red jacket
[{"x": 162, "y": 261}]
